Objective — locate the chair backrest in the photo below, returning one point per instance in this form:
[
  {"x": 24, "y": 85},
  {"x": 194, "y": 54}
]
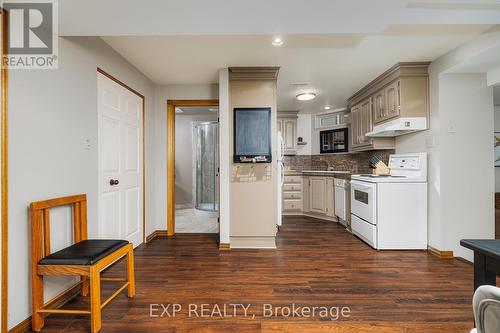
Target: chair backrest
[
  {"x": 40, "y": 222},
  {"x": 486, "y": 306}
]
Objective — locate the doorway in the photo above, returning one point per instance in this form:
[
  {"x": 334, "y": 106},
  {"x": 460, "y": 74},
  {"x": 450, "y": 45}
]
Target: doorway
[{"x": 192, "y": 166}]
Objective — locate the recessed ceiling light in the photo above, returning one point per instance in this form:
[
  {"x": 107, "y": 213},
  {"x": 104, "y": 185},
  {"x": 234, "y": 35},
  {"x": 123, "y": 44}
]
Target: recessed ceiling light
[
  {"x": 213, "y": 109},
  {"x": 307, "y": 96},
  {"x": 277, "y": 41},
  {"x": 179, "y": 110},
  {"x": 327, "y": 107}
]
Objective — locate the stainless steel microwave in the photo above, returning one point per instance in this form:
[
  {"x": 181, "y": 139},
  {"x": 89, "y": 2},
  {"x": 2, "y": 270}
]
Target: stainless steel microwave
[{"x": 334, "y": 141}]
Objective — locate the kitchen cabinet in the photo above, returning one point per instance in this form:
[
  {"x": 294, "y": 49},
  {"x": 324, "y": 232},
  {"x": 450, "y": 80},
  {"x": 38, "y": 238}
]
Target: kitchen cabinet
[
  {"x": 402, "y": 91},
  {"x": 330, "y": 197},
  {"x": 317, "y": 195},
  {"x": 387, "y": 103},
  {"x": 287, "y": 125},
  {"x": 392, "y": 94},
  {"x": 292, "y": 195},
  {"x": 379, "y": 105},
  {"x": 305, "y": 192},
  {"x": 308, "y": 195}
]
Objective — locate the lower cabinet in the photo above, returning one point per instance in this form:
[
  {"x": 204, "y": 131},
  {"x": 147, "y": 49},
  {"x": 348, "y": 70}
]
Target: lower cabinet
[
  {"x": 317, "y": 197},
  {"x": 292, "y": 195}
]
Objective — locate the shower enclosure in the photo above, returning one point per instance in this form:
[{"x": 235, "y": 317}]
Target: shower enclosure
[{"x": 207, "y": 158}]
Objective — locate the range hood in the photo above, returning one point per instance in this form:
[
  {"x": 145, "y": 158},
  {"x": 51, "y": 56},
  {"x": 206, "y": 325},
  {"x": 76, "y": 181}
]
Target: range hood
[{"x": 399, "y": 126}]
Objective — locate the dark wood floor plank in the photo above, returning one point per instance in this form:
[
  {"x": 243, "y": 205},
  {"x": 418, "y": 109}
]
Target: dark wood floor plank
[{"x": 317, "y": 264}]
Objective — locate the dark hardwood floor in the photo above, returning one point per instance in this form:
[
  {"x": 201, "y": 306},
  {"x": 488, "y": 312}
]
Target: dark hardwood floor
[{"x": 317, "y": 264}]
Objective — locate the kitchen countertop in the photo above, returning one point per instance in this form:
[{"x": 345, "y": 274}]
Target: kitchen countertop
[{"x": 336, "y": 174}]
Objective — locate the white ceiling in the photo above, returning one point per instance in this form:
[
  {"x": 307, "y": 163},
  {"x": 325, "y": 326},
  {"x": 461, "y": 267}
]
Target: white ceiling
[
  {"x": 333, "y": 65},
  {"x": 336, "y": 46},
  {"x": 262, "y": 17}
]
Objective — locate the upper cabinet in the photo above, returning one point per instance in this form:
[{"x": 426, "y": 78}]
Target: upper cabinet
[
  {"x": 287, "y": 125},
  {"x": 400, "y": 92}
]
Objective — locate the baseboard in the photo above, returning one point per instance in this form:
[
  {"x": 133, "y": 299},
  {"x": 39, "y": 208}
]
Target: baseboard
[
  {"x": 253, "y": 242},
  {"x": 439, "y": 253},
  {"x": 156, "y": 234},
  {"x": 320, "y": 217},
  {"x": 224, "y": 246},
  {"x": 57, "y": 302}
]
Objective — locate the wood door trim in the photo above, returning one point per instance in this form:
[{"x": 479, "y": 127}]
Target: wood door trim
[
  {"x": 171, "y": 105},
  {"x": 4, "y": 175},
  {"x": 121, "y": 83}
]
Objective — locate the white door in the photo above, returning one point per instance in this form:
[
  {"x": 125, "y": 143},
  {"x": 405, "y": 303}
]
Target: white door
[{"x": 120, "y": 162}]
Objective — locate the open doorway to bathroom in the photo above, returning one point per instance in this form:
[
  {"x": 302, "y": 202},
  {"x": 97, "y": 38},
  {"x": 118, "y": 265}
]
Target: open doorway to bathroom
[{"x": 195, "y": 208}]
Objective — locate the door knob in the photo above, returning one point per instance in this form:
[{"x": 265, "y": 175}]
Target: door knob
[{"x": 113, "y": 182}]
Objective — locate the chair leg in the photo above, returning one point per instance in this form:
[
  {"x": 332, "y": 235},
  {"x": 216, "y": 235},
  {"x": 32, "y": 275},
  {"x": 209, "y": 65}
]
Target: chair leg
[
  {"x": 85, "y": 286},
  {"x": 37, "y": 300},
  {"x": 130, "y": 271},
  {"x": 95, "y": 300}
]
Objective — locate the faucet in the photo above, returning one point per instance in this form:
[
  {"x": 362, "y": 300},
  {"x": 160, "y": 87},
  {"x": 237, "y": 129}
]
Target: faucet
[{"x": 329, "y": 166}]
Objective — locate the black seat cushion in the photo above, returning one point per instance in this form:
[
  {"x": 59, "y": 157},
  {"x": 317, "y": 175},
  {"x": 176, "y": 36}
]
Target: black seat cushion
[{"x": 86, "y": 252}]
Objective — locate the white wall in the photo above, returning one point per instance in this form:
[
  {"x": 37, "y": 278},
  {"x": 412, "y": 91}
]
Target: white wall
[
  {"x": 52, "y": 112},
  {"x": 184, "y": 150},
  {"x": 304, "y": 128},
  {"x": 460, "y": 154},
  {"x": 467, "y": 200},
  {"x": 163, "y": 93}
]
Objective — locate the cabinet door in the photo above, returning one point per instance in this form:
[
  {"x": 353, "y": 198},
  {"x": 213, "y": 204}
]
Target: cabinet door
[
  {"x": 366, "y": 121},
  {"x": 305, "y": 194},
  {"x": 379, "y": 106},
  {"x": 330, "y": 197},
  {"x": 392, "y": 93},
  {"x": 317, "y": 195},
  {"x": 289, "y": 134},
  {"x": 355, "y": 125}
]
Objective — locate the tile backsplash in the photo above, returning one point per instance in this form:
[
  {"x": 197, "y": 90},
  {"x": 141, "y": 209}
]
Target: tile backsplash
[{"x": 353, "y": 162}]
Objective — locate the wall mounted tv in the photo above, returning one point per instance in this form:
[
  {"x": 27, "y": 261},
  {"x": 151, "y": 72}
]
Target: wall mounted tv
[{"x": 252, "y": 135}]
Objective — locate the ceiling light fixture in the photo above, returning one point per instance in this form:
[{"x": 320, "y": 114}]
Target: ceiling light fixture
[
  {"x": 306, "y": 96},
  {"x": 277, "y": 41},
  {"x": 213, "y": 109},
  {"x": 179, "y": 110},
  {"x": 327, "y": 107}
]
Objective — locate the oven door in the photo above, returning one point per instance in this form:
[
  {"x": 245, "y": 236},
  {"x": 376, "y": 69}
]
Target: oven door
[{"x": 364, "y": 201}]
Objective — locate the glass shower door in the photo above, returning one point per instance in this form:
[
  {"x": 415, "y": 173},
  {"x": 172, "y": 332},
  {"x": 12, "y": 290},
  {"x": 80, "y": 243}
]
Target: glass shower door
[{"x": 207, "y": 156}]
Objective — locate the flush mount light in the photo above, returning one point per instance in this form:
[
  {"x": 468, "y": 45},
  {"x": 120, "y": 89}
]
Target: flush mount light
[
  {"x": 327, "y": 107},
  {"x": 179, "y": 110},
  {"x": 277, "y": 41},
  {"x": 307, "y": 96}
]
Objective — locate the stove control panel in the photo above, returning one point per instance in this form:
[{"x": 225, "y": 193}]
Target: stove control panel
[{"x": 406, "y": 163}]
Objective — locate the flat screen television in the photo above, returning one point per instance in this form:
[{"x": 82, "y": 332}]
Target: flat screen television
[{"x": 252, "y": 135}]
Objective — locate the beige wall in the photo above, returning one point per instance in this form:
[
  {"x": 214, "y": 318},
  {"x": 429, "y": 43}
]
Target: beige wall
[
  {"x": 162, "y": 93},
  {"x": 253, "y": 198},
  {"x": 52, "y": 115}
]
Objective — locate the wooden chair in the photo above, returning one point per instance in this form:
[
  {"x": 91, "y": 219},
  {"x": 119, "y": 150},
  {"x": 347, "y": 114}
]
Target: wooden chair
[{"x": 85, "y": 258}]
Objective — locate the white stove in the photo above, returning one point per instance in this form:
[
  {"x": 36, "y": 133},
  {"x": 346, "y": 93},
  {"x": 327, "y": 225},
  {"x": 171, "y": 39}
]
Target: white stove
[{"x": 390, "y": 211}]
